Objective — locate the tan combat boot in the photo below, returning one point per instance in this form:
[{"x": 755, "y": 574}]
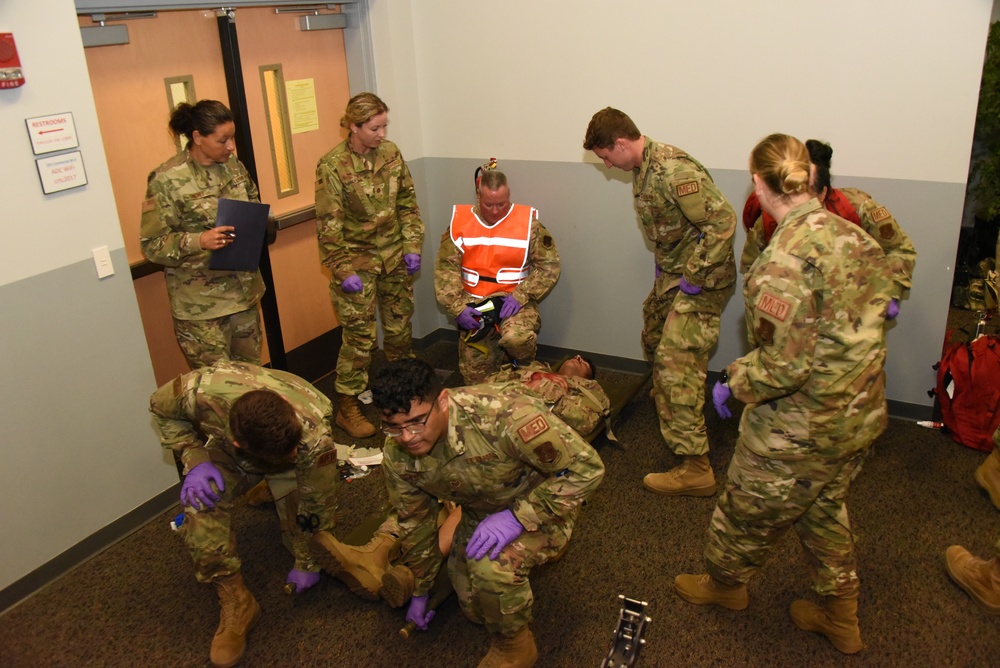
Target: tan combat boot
[
  {"x": 980, "y": 578},
  {"x": 694, "y": 477},
  {"x": 350, "y": 418},
  {"x": 988, "y": 476},
  {"x": 704, "y": 589},
  {"x": 240, "y": 613},
  {"x": 397, "y": 586},
  {"x": 359, "y": 567},
  {"x": 837, "y": 619},
  {"x": 518, "y": 651}
]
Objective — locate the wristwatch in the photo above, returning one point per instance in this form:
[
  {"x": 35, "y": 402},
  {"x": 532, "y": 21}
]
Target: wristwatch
[{"x": 724, "y": 377}]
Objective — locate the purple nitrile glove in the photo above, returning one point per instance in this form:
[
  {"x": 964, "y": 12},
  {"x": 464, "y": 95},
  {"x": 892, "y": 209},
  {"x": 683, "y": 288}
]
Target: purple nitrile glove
[
  {"x": 351, "y": 284},
  {"x": 893, "y": 310},
  {"x": 418, "y": 612},
  {"x": 720, "y": 395},
  {"x": 496, "y": 531},
  {"x": 510, "y": 307},
  {"x": 689, "y": 289},
  {"x": 197, "y": 486},
  {"x": 469, "y": 319},
  {"x": 301, "y": 579},
  {"x": 412, "y": 261},
  {"x": 658, "y": 271}
]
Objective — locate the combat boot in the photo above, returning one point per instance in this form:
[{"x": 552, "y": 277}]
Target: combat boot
[
  {"x": 988, "y": 476},
  {"x": 694, "y": 477},
  {"x": 518, "y": 651},
  {"x": 837, "y": 619},
  {"x": 980, "y": 578},
  {"x": 350, "y": 418},
  {"x": 240, "y": 613},
  {"x": 397, "y": 586},
  {"x": 704, "y": 589},
  {"x": 359, "y": 567}
]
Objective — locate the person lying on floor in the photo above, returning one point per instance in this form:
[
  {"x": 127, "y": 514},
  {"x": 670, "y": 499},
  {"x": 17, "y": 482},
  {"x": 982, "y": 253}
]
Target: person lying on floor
[{"x": 518, "y": 511}]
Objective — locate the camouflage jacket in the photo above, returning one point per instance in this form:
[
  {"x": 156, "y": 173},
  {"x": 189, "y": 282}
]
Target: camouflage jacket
[
  {"x": 579, "y": 402},
  {"x": 543, "y": 265},
  {"x": 875, "y": 220},
  {"x": 366, "y": 212},
  {"x": 182, "y": 198},
  {"x": 815, "y": 310},
  {"x": 688, "y": 219},
  {"x": 191, "y": 417},
  {"x": 503, "y": 450}
]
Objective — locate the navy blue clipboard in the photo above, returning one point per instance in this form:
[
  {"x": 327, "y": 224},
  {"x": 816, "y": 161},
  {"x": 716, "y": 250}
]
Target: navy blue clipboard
[{"x": 250, "y": 221}]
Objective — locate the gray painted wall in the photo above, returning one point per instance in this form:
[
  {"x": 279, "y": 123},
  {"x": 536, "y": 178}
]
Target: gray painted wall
[{"x": 607, "y": 265}]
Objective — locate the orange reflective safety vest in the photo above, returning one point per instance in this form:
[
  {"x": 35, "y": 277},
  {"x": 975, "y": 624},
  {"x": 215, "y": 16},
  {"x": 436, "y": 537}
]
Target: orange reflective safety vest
[{"x": 494, "y": 257}]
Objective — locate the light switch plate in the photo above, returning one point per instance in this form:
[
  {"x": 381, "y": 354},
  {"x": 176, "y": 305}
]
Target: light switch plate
[{"x": 102, "y": 259}]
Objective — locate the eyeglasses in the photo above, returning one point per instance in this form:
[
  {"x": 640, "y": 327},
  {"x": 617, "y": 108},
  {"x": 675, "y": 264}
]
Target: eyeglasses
[{"x": 411, "y": 429}]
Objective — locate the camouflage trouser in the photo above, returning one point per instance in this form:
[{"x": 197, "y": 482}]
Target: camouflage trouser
[
  {"x": 231, "y": 337},
  {"x": 764, "y": 498},
  {"x": 518, "y": 339},
  {"x": 208, "y": 535},
  {"x": 497, "y": 593},
  {"x": 680, "y": 331},
  {"x": 393, "y": 293}
]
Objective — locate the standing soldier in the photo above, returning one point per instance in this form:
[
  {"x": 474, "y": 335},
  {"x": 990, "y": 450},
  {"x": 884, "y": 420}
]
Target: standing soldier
[
  {"x": 495, "y": 249},
  {"x": 814, "y": 389},
  {"x": 215, "y": 312},
  {"x": 370, "y": 238},
  {"x": 851, "y": 204},
  {"x": 520, "y": 475},
  {"x": 692, "y": 226},
  {"x": 230, "y": 426}
]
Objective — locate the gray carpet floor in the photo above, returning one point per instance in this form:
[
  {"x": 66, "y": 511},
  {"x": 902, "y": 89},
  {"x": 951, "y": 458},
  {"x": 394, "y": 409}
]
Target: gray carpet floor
[{"x": 137, "y": 604}]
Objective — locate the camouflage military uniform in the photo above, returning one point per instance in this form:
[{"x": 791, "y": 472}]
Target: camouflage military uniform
[
  {"x": 215, "y": 312},
  {"x": 815, "y": 392},
  {"x": 518, "y": 335},
  {"x": 367, "y": 220},
  {"x": 692, "y": 225},
  {"x": 191, "y": 416},
  {"x": 504, "y": 450},
  {"x": 579, "y": 402},
  {"x": 875, "y": 220}
]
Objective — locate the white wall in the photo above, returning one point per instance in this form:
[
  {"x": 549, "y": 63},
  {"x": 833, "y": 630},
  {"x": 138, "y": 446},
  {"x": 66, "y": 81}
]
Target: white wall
[
  {"x": 893, "y": 85},
  {"x": 76, "y": 445}
]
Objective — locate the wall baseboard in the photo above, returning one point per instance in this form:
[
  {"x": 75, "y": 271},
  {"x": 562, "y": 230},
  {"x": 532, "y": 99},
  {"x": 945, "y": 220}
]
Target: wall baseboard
[{"x": 89, "y": 547}]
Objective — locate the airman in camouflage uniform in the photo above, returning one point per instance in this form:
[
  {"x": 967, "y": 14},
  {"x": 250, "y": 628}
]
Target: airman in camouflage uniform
[
  {"x": 517, "y": 338},
  {"x": 191, "y": 415},
  {"x": 814, "y": 389},
  {"x": 496, "y": 452},
  {"x": 368, "y": 224},
  {"x": 215, "y": 312},
  {"x": 691, "y": 225},
  {"x": 859, "y": 207}
]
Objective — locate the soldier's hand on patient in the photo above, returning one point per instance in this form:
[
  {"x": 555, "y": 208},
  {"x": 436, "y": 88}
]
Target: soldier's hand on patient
[
  {"x": 510, "y": 307},
  {"x": 721, "y": 394},
  {"x": 494, "y": 533},
  {"x": 301, "y": 579},
  {"x": 418, "y": 612},
  {"x": 351, "y": 284},
  {"x": 197, "y": 492},
  {"x": 469, "y": 319}
]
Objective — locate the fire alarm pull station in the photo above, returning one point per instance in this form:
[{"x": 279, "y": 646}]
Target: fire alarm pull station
[{"x": 11, "y": 75}]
